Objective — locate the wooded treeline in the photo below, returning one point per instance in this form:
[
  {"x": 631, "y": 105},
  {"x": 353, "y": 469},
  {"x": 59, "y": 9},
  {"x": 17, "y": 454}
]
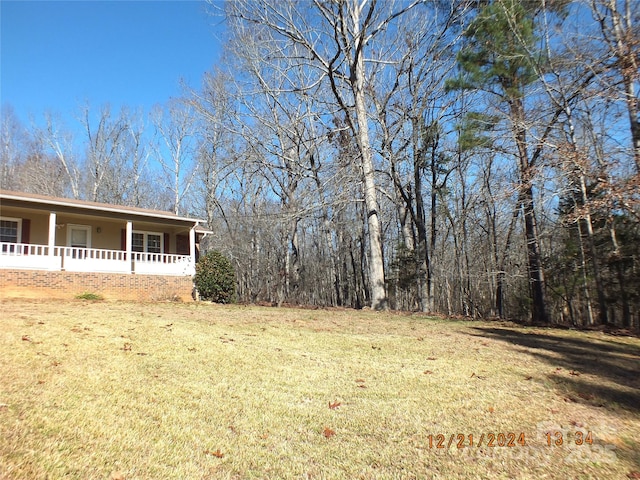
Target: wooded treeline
[{"x": 465, "y": 157}]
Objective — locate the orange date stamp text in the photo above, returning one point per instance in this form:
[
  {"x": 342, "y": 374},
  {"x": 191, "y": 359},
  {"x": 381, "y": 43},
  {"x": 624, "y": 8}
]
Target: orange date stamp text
[{"x": 491, "y": 440}]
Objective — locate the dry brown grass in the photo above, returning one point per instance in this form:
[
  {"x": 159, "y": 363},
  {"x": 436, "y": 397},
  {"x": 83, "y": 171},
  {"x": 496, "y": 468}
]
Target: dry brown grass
[{"x": 195, "y": 391}]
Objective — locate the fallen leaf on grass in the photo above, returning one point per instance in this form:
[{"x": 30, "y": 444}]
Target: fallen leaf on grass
[
  {"x": 427, "y": 372},
  {"x": 328, "y": 433},
  {"x": 491, "y": 410},
  {"x": 334, "y": 405},
  {"x": 26, "y": 338},
  {"x": 528, "y": 377},
  {"x": 360, "y": 383},
  {"x": 216, "y": 454},
  {"x": 127, "y": 347},
  {"x": 431, "y": 358}
]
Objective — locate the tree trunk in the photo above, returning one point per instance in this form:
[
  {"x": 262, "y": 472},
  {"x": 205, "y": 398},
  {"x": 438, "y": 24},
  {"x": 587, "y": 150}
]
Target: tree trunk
[
  {"x": 536, "y": 276},
  {"x": 425, "y": 293},
  {"x": 534, "y": 263},
  {"x": 376, "y": 261},
  {"x": 602, "y": 301}
]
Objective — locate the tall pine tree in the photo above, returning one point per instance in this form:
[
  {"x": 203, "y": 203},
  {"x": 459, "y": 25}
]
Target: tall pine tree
[{"x": 496, "y": 59}]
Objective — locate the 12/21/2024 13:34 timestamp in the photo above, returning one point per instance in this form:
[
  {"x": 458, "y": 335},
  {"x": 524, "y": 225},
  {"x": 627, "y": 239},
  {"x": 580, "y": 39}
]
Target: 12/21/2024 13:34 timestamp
[{"x": 509, "y": 439}]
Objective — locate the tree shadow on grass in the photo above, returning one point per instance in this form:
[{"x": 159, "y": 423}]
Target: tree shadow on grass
[
  {"x": 597, "y": 370},
  {"x": 616, "y": 364}
]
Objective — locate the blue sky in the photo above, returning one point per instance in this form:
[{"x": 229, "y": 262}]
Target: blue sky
[{"x": 58, "y": 55}]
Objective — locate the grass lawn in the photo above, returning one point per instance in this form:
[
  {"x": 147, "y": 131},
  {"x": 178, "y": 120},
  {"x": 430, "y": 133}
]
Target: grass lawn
[{"x": 98, "y": 390}]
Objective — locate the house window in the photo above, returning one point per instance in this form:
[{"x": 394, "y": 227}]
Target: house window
[
  {"x": 79, "y": 236},
  {"x": 149, "y": 242},
  {"x": 154, "y": 243},
  {"x": 137, "y": 242},
  {"x": 10, "y": 230}
]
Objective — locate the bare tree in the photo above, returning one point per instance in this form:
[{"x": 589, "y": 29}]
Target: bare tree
[
  {"x": 334, "y": 40},
  {"x": 411, "y": 107},
  {"x": 61, "y": 144},
  {"x": 280, "y": 127},
  {"x": 175, "y": 147},
  {"x": 14, "y": 140},
  {"x": 619, "y": 22},
  {"x": 105, "y": 158},
  {"x": 139, "y": 181},
  {"x": 25, "y": 165},
  {"x": 216, "y": 152}
]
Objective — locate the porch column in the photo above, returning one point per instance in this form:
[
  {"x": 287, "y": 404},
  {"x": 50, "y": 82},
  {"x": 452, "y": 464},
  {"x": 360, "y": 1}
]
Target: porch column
[
  {"x": 192, "y": 245},
  {"x": 52, "y": 241},
  {"x": 128, "y": 244}
]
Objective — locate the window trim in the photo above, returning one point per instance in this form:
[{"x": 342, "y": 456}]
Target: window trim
[
  {"x": 19, "y": 222},
  {"x": 145, "y": 243}
]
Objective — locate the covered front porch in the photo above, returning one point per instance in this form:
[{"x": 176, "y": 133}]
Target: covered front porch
[
  {"x": 76, "y": 259},
  {"x": 41, "y": 233}
]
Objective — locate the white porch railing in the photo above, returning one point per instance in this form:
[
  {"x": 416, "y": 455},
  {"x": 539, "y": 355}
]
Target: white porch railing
[
  {"x": 162, "y": 264},
  {"x": 22, "y": 255},
  {"x": 74, "y": 259}
]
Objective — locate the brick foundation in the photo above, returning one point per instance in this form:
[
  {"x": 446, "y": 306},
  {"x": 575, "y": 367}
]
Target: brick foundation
[{"x": 112, "y": 286}]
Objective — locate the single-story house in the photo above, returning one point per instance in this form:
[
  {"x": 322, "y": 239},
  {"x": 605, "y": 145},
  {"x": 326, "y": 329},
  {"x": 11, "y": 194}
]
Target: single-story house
[{"x": 57, "y": 247}]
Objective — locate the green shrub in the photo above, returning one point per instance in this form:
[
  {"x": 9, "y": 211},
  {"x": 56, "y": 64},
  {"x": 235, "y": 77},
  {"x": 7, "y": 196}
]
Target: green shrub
[
  {"x": 215, "y": 278},
  {"x": 89, "y": 296}
]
